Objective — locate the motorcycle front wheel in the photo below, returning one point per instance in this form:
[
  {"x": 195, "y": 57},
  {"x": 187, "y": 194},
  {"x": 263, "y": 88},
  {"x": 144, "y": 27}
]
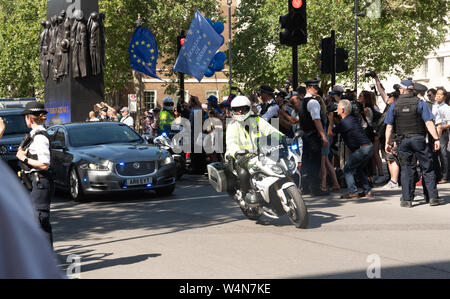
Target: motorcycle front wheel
[{"x": 298, "y": 213}]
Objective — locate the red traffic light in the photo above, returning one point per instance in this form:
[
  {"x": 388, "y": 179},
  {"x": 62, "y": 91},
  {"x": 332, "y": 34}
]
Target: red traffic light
[{"x": 297, "y": 4}]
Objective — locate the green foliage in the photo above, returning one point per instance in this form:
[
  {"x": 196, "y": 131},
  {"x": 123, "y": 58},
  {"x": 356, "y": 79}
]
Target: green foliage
[
  {"x": 396, "y": 43},
  {"x": 19, "y": 47}
]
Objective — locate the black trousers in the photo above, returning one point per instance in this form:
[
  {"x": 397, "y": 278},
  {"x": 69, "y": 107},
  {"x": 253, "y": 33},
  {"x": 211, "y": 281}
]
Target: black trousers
[
  {"x": 42, "y": 194},
  {"x": 409, "y": 150},
  {"x": 311, "y": 162}
]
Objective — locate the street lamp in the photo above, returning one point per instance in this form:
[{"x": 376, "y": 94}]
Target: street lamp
[{"x": 229, "y": 2}]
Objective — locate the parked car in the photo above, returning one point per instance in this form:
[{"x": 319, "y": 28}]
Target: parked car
[
  {"x": 15, "y": 130},
  {"x": 95, "y": 158}
]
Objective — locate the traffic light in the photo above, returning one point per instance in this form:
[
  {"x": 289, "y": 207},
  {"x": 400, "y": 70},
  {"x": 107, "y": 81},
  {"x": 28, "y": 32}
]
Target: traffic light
[
  {"x": 180, "y": 41},
  {"x": 341, "y": 60},
  {"x": 326, "y": 55},
  {"x": 294, "y": 24}
]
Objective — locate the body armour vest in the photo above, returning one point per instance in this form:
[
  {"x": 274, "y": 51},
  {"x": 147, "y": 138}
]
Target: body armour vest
[
  {"x": 408, "y": 121},
  {"x": 27, "y": 141},
  {"x": 306, "y": 122}
]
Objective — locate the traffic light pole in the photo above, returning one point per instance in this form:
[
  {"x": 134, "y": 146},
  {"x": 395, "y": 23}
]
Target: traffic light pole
[
  {"x": 181, "y": 75},
  {"x": 295, "y": 67},
  {"x": 333, "y": 64}
]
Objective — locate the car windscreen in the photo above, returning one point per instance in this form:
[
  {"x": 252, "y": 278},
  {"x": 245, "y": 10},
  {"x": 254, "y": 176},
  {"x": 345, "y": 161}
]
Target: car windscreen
[
  {"x": 89, "y": 135},
  {"x": 15, "y": 124}
]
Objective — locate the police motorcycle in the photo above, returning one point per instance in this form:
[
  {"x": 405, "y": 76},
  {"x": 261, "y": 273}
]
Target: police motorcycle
[
  {"x": 173, "y": 146},
  {"x": 274, "y": 180}
]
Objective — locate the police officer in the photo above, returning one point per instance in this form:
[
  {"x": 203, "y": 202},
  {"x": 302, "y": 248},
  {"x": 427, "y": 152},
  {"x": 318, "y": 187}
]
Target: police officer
[
  {"x": 242, "y": 135},
  {"x": 166, "y": 116},
  {"x": 311, "y": 122},
  {"x": 34, "y": 155},
  {"x": 269, "y": 108},
  {"x": 411, "y": 119}
]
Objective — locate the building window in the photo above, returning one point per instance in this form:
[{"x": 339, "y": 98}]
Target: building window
[
  {"x": 441, "y": 66},
  {"x": 425, "y": 69},
  {"x": 150, "y": 100},
  {"x": 212, "y": 93}
]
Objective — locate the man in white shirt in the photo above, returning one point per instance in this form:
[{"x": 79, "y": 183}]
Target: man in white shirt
[
  {"x": 442, "y": 122},
  {"x": 126, "y": 117}
]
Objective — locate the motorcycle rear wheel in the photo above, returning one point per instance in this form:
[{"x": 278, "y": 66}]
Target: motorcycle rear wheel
[{"x": 299, "y": 213}]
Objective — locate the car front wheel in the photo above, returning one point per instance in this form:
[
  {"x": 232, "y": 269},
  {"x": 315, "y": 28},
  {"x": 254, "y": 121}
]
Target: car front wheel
[{"x": 75, "y": 189}]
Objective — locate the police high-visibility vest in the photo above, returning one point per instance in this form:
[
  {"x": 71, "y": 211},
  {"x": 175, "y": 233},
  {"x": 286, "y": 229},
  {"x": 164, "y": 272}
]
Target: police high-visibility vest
[
  {"x": 238, "y": 138},
  {"x": 165, "y": 120}
]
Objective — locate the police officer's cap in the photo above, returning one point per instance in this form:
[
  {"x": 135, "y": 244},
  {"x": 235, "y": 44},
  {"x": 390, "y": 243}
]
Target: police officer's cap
[
  {"x": 266, "y": 89},
  {"x": 314, "y": 83},
  {"x": 407, "y": 84},
  {"x": 420, "y": 88},
  {"x": 35, "y": 108}
]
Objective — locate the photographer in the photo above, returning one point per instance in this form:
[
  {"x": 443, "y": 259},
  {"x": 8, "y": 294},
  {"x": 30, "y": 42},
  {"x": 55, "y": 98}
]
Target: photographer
[
  {"x": 390, "y": 158},
  {"x": 359, "y": 144}
]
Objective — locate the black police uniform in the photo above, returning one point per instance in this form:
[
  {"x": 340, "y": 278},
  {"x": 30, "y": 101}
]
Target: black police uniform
[
  {"x": 312, "y": 147},
  {"x": 41, "y": 182},
  {"x": 411, "y": 131}
]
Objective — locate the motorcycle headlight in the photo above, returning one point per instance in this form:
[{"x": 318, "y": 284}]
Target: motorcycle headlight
[
  {"x": 292, "y": 165},
  {"x": 168, "y": 160},
  {"x": 277, "y": 169},
  {"x": 95, "y": 167}
]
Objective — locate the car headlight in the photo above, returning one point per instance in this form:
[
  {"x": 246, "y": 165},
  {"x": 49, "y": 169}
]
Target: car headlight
[
  {"x": 168, "y": 160},
  {"x": 95, "y": 167}
]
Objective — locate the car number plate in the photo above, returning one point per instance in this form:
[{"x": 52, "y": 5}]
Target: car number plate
[{"x": 139, "y": 181}]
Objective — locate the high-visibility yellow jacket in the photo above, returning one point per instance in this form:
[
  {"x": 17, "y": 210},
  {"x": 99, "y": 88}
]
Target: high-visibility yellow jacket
[
  {"x": 237, "y": 137},
  {"x": 165, "y": 120}
]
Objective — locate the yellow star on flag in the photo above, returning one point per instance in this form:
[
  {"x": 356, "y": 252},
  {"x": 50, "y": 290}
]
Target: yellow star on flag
[
  {"x": 148, "y": 45},
  {"x": 142, "y": 43},
  {"x": 152, "y": 51}
]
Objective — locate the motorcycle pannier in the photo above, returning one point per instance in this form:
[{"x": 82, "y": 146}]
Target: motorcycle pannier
[{"x": 218, "y": 177}]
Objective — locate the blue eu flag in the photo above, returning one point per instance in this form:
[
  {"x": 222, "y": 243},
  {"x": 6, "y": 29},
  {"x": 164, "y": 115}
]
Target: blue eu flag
[
  {"x": 143, "y": 52},
  {"x": 199, "y": 48}
]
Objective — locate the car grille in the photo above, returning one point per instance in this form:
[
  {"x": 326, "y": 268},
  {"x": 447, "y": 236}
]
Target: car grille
[{"x": 135, "y": 168}]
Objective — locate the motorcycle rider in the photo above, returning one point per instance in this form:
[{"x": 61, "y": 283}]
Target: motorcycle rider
[
  {"x": 166, "y": 116},
  {"x": 242, "y": 135}
]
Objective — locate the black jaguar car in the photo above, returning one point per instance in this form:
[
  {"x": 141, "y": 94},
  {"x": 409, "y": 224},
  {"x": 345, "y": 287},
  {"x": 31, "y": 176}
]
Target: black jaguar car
[
  {"x": 15, "y": 129},
  {"x": 94, "y": 158}
]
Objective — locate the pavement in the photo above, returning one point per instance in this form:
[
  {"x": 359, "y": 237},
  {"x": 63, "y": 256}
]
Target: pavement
[{"x": 199, "y": 234}]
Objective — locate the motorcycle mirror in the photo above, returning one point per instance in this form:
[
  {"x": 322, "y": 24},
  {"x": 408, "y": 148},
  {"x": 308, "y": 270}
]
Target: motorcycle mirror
[{"x": 299, "y": 134}]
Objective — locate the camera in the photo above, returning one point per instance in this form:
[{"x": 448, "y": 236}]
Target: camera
[{"x": 371, "y": 74}]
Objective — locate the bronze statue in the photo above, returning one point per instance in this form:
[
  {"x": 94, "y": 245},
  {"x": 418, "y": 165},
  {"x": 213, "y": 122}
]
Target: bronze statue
[
  {"x": 44, "y": 49},
  {"x": 97, "y": 43},
  {"x": 79, "y": 45},
  {"x": 52, "y": 48},
  {"x": 63, "y": 65}
]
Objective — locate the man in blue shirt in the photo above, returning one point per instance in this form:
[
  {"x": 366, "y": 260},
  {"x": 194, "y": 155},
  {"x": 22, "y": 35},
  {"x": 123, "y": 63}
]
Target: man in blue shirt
[
  {"x": 411, "y": 118},
  {"x": 357, "y": 141}
]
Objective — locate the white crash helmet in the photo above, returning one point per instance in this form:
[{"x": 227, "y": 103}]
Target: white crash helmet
[
  {"x": 241, "y": 108},
  {"x": 168, "y": 104}
]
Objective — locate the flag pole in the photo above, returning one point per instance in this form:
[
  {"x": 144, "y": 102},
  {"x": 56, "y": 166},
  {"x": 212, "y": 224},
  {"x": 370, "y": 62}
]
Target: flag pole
[{"x": 137, "y": 124}]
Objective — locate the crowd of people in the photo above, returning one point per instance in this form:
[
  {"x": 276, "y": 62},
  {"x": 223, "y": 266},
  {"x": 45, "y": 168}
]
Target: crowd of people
[{"x": 344, "y": 133}]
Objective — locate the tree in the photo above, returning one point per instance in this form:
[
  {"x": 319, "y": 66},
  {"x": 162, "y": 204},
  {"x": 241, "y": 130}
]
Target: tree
[
  {"x": 19, "y": 47},
  {"x": 396, "y": 43}
]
